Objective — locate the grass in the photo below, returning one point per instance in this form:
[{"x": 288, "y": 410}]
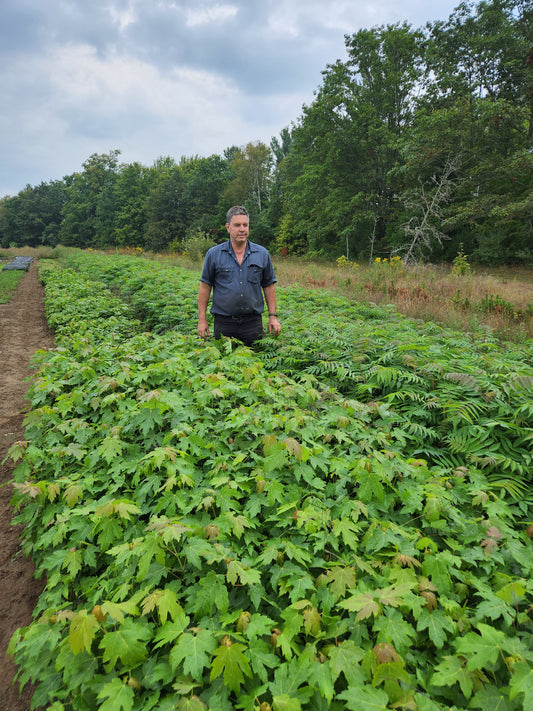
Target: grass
[
  {"x": 9, "y": 280},
  {"x": 501, "y": 301},
  {"x": 41, "y": 252}
]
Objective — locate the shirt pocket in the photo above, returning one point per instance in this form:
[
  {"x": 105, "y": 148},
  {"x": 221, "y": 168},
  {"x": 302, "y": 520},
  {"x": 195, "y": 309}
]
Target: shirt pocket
[
  {"x": 224, "y": 275},
  {"x": 254, "y": 273}
]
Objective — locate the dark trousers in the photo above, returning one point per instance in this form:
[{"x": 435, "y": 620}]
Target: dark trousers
[{"x": 247, "y": 328}]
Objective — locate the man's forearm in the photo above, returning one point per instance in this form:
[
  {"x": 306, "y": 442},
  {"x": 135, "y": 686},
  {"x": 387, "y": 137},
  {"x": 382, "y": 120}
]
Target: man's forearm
[
  {"x": 274, "y": 326},
  {"x": 203, "y": 299},
  {"x": 270, "y": 298}
]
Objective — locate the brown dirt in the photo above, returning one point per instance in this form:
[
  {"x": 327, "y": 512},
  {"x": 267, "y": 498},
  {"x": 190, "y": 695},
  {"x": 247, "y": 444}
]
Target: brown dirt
[{"x": 23, "y": 331}]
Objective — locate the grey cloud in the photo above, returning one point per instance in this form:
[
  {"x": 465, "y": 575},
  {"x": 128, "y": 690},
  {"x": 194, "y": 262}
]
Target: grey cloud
[{"x": 85, "y": 76}]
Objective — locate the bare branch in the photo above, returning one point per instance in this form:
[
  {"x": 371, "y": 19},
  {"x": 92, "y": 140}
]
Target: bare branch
[{"x": 421, "y": 229}]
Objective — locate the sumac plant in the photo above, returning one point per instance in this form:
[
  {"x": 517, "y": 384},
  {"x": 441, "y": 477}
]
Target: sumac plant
[{"x": 217, "y": 534}]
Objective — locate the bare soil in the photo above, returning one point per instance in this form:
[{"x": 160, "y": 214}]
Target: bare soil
[{"x": 23, "y": 331}]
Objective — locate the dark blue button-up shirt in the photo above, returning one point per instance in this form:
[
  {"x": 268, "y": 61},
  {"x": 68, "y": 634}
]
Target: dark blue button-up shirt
[{"x": 237, "y": 288}]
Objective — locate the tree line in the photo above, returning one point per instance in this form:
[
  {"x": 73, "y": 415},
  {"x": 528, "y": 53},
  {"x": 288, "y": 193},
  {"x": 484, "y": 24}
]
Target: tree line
[{"x": 418, "y": 144}]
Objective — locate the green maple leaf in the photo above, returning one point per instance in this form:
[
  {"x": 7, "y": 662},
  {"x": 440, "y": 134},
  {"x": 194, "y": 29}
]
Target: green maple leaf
[
  {"x": 370, "y": 603},
  {"x": 170, "y": 531},
  {"x": 347, "y": 530},
  {"x": 341, "y": 579},
  {"x": 494, "y": 607},
  {"x": 284, "y": 702},
  {"x": 117, "y": 696},
  {"x": 231, "y": 662},
  {"x": 364, "y": 698},
  {"x": 73, "y": 561},
  {"x": 364, "y": 604},
  {"x": 320, "y": 676},
  {"x": 109, "y": 532},
  {"x": 210, "y": 590},
  {"x": 149, "y": 417},
  {"x": 259, "y": 625},
  {"x": 193, "y": 650},
  {"x": 127, "y": 644},
  {"x": 436, "y": 568},
  {"x": 110, "y": 448},
  {"x": 370, "y": 487},
  {"x": 74, "y": 450},
  {"x": 297, "y": 585},
  {"x": 125, "y": 508},
  {"x": 393, "y": 595},
  {"x": 451, "y": 671},
  {"x": 391, "y": 672},
  {"x": 344, "y": 658},
  {"x": 166, "y": 603},
  {"x": 152, "y": 547},
  {"x": 512, "y": 592},
  {"x": 394, "y": 629},
  {"x": 117, "y": 610},
  {"x": 312, "y": 621},
  {"x": 481, "y": 649},
  {"x": 262, "y": 658},
  {"x": 275, "y": 459},
  {"x": 292, "y": 678},
  {"x": 83, "y": 627},
  {"x": 170, "y": 631},
  {"x": 436, "y": 623},
  {"x": 243, "y": 574},
  {"x": 192, "y": 704},
  {"x": 73, "y": 494},
  {"x": 197, "y": 549},
  {"x": 522, "y": 683},
  {"x": 168, "y": 606},
  {"x": 490, "y": 699},
  {"x": 158, "y": 456},
  {"x": 238, "y": 523}
]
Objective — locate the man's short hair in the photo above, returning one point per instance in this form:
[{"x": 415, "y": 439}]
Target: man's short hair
[{"x": 235, "y": 210}]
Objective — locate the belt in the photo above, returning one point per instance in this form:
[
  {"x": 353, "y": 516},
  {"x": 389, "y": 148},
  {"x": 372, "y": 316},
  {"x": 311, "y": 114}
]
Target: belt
[{"x": 242, "y": 317}]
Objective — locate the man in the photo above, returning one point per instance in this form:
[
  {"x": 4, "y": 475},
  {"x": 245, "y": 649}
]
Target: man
[{"x": 238, "y": 272}]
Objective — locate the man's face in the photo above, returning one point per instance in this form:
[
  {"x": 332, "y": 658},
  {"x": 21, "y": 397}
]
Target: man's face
[{"x": 238, "y": 229}]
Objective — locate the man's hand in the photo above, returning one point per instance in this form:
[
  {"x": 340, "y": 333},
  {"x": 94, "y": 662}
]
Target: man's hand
[
  {"x": 203, "y": 328},
  {"x": 274, "y": 326}
]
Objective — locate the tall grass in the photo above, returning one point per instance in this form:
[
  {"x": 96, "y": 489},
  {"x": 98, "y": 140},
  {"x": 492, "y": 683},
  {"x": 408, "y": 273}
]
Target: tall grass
[{"x": 470, "y": 302}]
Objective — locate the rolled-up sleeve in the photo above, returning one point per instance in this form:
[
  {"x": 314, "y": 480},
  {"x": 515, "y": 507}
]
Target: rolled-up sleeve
[
  {"x": 269, "y": 276},
  {"x": 208, "y": 270}
]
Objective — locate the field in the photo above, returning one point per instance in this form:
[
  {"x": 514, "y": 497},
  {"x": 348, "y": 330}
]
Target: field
[
  {"x": 337, "y": 519},
  {"x": 9, "y": 280}
]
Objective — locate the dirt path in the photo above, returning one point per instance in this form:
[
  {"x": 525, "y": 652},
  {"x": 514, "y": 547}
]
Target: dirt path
[{"x": 23, "y": 330}]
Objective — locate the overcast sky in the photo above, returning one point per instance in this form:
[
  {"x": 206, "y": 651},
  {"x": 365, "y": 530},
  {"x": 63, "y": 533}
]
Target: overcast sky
[{"x": 158, "y": 78}]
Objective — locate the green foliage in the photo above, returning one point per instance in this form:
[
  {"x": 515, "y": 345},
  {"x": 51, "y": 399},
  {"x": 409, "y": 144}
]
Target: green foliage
[
  {"x": 196, "y": 245},
  {"x": 221, "y": 528},
  {"x": 493, "y": 303},
  {"x": 461, "y": 265},
  {"x": 9, "y": 280},
  {"x": 33, "y": 217}
]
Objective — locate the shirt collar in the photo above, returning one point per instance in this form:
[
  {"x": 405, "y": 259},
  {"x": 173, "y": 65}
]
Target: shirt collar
[{"x": 249, "y": 247}]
